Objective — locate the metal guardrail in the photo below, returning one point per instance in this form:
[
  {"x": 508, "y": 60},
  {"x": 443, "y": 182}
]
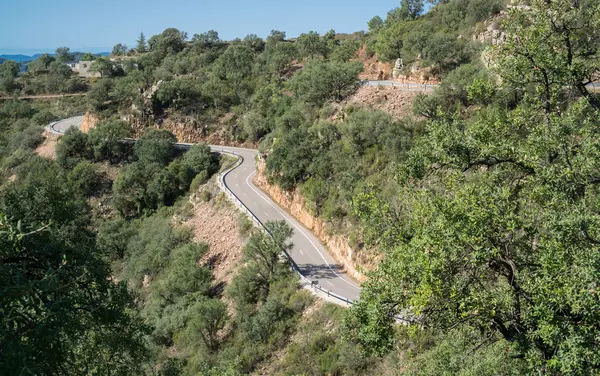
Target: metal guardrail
[
  {"x": 232, "y": 196},
  {"x": 406, "y": 85},
  {"x": 56, "y": 121}
]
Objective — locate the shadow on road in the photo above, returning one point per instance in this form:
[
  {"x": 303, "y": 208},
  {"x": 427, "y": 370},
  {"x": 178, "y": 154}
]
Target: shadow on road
[{"x": 317, "y": 272}]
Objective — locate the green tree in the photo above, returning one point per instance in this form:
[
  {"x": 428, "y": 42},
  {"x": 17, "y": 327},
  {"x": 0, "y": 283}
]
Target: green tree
[
  {"x": 119, "y": 50},
  {"x": 207, "y": 40},
  {"x": 198, "y": 159},
  {"x": 551, "y": 45},
  {"x": 72, "y": 148},
  {"x": 106, "y": 67},
  {"x": 411, "y": 8},
  {"x": 63, "y": 54},
  {"x": 264, "y": 252},
  {"x": 503, "y": 231},
  {"x": 142, "y": 46},
  {"x": 88, "y": 56},
  {"x": 311, "y": 45},
  {"x": 84, "y": 177},
  {"x": 321, "y": 81},
  {"x": 275, "y": 36},
  {"x": 156, "y": 146},
  {"x": 9, "y": 70},
  {"x": 375, "y": 23},
  {"x": 210, "y": 317},
  {"x": 61, "y": 311},
  {"x": 130, "y": 189},
  {"x": 106, "y": 140},
  {"x": 41, "y": 64}
]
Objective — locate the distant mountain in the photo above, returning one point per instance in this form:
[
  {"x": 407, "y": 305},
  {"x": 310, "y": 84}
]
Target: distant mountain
[
  {"x": 24, "y": 58},
  {"x": 17, "y": 58}
]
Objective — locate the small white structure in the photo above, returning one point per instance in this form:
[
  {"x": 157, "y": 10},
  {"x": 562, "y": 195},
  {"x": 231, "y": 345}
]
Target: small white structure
[{"x": 82, "y": 68}]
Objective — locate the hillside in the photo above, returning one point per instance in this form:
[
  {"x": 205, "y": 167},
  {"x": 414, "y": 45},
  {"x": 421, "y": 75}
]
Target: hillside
[{"x": 469, "y": 212}]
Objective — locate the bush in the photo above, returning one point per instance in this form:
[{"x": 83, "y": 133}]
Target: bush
[
  {"x": 199, "y": 180},
  {"x": 206, "y": 196},
  {"x": 105, "y": 140},
  {"x": 44, "y": 117},
  {"x": 321, "y": 81},
  {"x": 29, "y": 139},
  {"x": 156, "y": 146},
  {"x": 72, "y": 148},
  {"x": 84, "y": 177},
  {"x": 197, "y": 160}
]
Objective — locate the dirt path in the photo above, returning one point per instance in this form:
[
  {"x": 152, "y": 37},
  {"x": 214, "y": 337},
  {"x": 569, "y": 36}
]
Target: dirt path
[{"x": 45, "y": 96}]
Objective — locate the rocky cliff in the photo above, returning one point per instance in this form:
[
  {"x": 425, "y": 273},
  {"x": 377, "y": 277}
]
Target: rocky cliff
[{"x": 89, "y": 122}]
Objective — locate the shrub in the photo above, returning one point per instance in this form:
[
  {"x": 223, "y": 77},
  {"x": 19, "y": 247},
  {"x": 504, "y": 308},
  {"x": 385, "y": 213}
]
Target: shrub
[
  {"x": 156, "y": 146},
  {"x": 199, "y": 180},
  {"x": 72, "y": 148},
  {"x": 84, "y": 177},
  {"x": 105, "y": 140}
]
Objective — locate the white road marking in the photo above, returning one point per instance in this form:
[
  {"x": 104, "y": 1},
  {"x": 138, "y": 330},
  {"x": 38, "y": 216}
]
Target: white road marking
[
  {"x": 330, "y": 283},
  {"x": 300, "y": 230},
  {"x": 267, "y": 214}
]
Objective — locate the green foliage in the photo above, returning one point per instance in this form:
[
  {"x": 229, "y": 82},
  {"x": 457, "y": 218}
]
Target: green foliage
[
  {"x": 500, "y": 219},
  {"x": 311, "y": 45},
  {"x": 108, "y": 68},
  {"x": 142, "y": 187},
  {"x": 155, "y": 146},
  {"x": 84, "y": 177},
  {"x": 9, "y": 70},
  {"x": 63, "y": 54},
  {"x": 106, "y": 140},
  {"x": 452, "y": 353},
  {"x": 72, "y": 148},
  {"x": 41, "y": 64},
  {"x": 210, "y": 318},
  {"x": 198, "y": 159},
  {"x": 56, "y": 292},
  {"x": 321, "y": 81},
  {"x": 113, "y": 237},
  {"x": 119, "y": 50}
]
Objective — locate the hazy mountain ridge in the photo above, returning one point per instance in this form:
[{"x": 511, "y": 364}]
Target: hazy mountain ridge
[{"x": 19, "y": 58}]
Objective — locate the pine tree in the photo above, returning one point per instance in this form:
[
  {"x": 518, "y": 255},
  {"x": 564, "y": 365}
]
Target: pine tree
[{"x": 141, "y": 43}]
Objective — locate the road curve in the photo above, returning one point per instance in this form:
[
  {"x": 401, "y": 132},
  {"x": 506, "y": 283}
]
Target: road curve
[{"x": 311, "y": 257}]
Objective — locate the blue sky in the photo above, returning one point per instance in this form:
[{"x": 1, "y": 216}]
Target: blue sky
[{"x": 30, "y": 26}]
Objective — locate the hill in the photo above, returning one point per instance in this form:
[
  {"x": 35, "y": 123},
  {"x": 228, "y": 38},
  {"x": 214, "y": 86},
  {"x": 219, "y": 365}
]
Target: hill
[{"x": 474, "y": 207}]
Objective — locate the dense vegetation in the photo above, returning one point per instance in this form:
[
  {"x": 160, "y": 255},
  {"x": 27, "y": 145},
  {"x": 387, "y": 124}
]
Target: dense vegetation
[
  {"x": 482, "y": 205},
  {"x": 496, "y": 239}
]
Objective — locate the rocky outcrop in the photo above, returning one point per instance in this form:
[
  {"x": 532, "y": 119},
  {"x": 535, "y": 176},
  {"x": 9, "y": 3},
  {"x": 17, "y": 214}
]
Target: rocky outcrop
[
  {"x": 397, "y": 71},
  {"x": 89, "y": 122},
  {"x": 390, "y": 99},
  {"x": 337, "y": 245}
]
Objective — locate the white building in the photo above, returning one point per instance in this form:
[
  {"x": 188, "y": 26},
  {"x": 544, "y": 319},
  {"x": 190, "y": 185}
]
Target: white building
[{"x": 82, "y": 68}]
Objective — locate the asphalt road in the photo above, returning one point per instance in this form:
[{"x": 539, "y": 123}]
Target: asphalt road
[
  {"x": 401, "y": 86},
  {"x": 61, "y": 126},
  {"x": 311, "y": 257}
]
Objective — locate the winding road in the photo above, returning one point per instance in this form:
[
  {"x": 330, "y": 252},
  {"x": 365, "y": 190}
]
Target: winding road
[{"x": 310, "y": 256}]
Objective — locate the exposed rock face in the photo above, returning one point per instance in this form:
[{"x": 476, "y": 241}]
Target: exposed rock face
[
  {"x": 89, "y": 122},
  {"x": 389, "y": 99},
  {"x": 337, "y": 245},
  {"x": 397, "y": 71},
  {"x": 217, "y": 225}
]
